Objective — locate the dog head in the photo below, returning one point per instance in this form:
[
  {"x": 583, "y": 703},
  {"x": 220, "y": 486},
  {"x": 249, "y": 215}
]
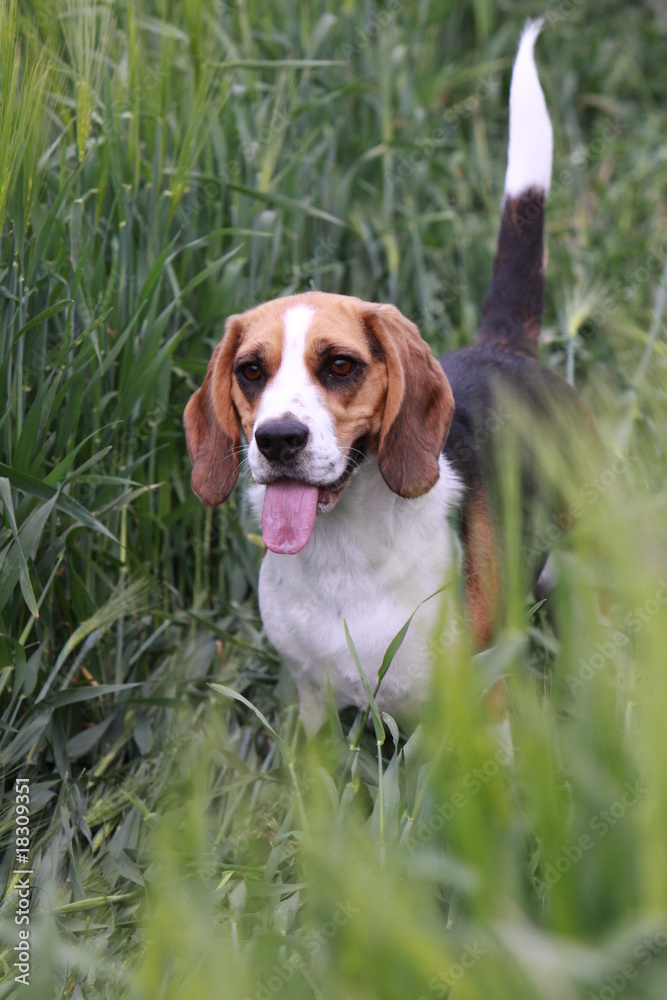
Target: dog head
[{"x": 314, "y": 382}]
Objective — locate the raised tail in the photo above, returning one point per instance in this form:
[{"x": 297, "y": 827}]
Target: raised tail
[{"x": 512, "y": 310}]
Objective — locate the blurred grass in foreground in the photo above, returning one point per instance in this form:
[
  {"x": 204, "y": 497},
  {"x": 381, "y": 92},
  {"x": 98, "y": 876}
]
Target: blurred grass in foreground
[{"x": 164, "y": 165}]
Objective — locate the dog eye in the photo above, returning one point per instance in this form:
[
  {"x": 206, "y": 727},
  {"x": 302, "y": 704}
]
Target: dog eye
[
  {"x": 251, "y": 372},
  {"x": 341, "y": 367}
]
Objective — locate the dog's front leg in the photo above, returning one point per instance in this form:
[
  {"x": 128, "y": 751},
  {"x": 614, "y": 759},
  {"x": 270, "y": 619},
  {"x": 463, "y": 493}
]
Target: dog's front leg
[{"x": 312, "y": 706}]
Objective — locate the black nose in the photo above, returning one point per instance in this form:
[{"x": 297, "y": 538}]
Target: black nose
[{"x": 281, "y": 440}]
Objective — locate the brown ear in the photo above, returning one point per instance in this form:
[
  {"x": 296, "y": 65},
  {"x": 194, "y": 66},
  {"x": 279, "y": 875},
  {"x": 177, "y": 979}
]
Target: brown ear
[
  {"x": 211, "y": 425},
  {"x": 419, "y": 405}
]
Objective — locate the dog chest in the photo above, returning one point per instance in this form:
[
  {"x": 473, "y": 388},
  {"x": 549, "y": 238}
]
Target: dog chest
[{"x": 370, "y": 563}]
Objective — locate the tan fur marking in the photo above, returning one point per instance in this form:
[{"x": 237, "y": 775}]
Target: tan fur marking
[
  {"x": 339, "y": 325},
  {"x": 264, "y": 330},
  {"x": 338, "y": 320},
  {"x": 403, "y": 404},
  {"x": 496, "y": 703},
  {"x": 483, "y": 591},
  {"x": 419, "y": 406},
  {"x": 211, "y": 427}
]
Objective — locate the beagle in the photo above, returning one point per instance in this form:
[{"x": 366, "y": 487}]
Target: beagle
[{"x": 364, "y": 450}]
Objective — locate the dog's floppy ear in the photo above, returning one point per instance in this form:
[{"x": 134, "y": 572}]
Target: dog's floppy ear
[
  {"x": 211, "y": 424},
  {"x": 419, "y": 405}
]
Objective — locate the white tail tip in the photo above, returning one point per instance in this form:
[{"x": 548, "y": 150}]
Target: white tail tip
[{"x": 530, "y": 150}]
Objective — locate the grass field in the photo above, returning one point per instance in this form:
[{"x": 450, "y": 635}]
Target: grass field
[{"x": 166, "y": 164}]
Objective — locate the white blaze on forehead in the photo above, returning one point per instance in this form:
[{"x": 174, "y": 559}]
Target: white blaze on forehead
[{"x": 293, "y": 392}]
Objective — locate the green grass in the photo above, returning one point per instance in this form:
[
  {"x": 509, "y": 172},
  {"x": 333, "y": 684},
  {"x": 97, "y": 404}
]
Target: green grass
[{"x": 162, "y": 166}]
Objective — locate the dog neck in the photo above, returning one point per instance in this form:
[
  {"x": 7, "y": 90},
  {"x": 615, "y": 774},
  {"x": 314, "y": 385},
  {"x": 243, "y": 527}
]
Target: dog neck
[{"x": 371, "y": 526}]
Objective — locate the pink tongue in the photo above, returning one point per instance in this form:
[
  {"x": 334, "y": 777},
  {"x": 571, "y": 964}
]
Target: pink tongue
[{"x": 288, "y": 515}]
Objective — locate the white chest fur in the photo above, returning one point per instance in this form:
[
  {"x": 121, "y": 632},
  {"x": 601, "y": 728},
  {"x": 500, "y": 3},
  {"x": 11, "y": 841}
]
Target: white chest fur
[{"x": 370, "y": 562}]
